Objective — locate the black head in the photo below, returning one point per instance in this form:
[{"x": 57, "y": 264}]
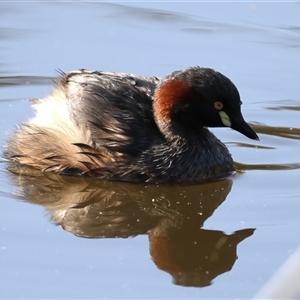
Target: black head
[{"x": 200, "y": 97}]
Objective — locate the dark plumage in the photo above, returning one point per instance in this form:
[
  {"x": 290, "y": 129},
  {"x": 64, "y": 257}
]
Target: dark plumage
[{"x": 126, "y": 127}]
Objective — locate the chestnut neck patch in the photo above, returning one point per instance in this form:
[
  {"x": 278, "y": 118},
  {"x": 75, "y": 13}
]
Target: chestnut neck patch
[{"x": 170, "y": 94}]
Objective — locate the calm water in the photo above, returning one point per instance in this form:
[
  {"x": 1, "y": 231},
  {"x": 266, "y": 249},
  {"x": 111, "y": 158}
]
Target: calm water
[{"x": 116, "y": 240}]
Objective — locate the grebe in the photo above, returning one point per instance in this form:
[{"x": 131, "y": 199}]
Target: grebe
[{"x": 125, "y": 127}]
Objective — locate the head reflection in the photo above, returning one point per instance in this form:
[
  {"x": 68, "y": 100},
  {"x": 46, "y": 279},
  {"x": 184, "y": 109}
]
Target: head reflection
[{"x": 172, "y": 216}]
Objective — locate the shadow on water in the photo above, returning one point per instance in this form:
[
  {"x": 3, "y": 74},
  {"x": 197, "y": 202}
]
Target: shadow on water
[
  {"x": 282, "y": 132},
  {"x": 172, "y": 218},
  {"x": 26, "y": 80},
  {"x": 187, "y": 22}
]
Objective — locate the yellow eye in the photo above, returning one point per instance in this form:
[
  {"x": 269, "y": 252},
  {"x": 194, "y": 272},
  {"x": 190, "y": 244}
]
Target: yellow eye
[{"x": 218, "y": 105}]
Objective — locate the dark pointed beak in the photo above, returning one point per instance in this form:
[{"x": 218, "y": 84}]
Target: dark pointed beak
[{"x": 240, "y": 125}]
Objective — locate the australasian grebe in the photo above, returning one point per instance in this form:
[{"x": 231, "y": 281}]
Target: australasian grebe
[{"x": 126, "y": 127}]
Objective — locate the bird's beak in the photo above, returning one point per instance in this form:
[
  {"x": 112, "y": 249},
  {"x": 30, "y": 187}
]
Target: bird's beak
[{"x": 240, "y": 125}]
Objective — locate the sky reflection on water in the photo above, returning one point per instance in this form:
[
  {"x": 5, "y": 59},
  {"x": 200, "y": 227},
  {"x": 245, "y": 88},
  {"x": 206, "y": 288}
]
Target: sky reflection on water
[{"x": 254, "y": 44}]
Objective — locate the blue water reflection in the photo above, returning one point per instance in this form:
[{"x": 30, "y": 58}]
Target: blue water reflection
[{"x": 254, "y": 44}]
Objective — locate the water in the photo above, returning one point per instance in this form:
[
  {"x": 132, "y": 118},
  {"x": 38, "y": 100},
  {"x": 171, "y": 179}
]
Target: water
[{"x": 137, "y": 241}]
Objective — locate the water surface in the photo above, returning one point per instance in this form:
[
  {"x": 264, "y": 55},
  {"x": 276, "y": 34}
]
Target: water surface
[{"x": 116, "y": 240}]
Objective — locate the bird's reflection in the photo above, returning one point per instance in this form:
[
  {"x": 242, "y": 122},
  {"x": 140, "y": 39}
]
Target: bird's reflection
[{"x": 172, "y": 216}]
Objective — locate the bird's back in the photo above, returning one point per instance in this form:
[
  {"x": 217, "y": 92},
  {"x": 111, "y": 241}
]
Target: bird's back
[
  {"x": 92, "y": 122},
  {"x": 116, "y": 108}
]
